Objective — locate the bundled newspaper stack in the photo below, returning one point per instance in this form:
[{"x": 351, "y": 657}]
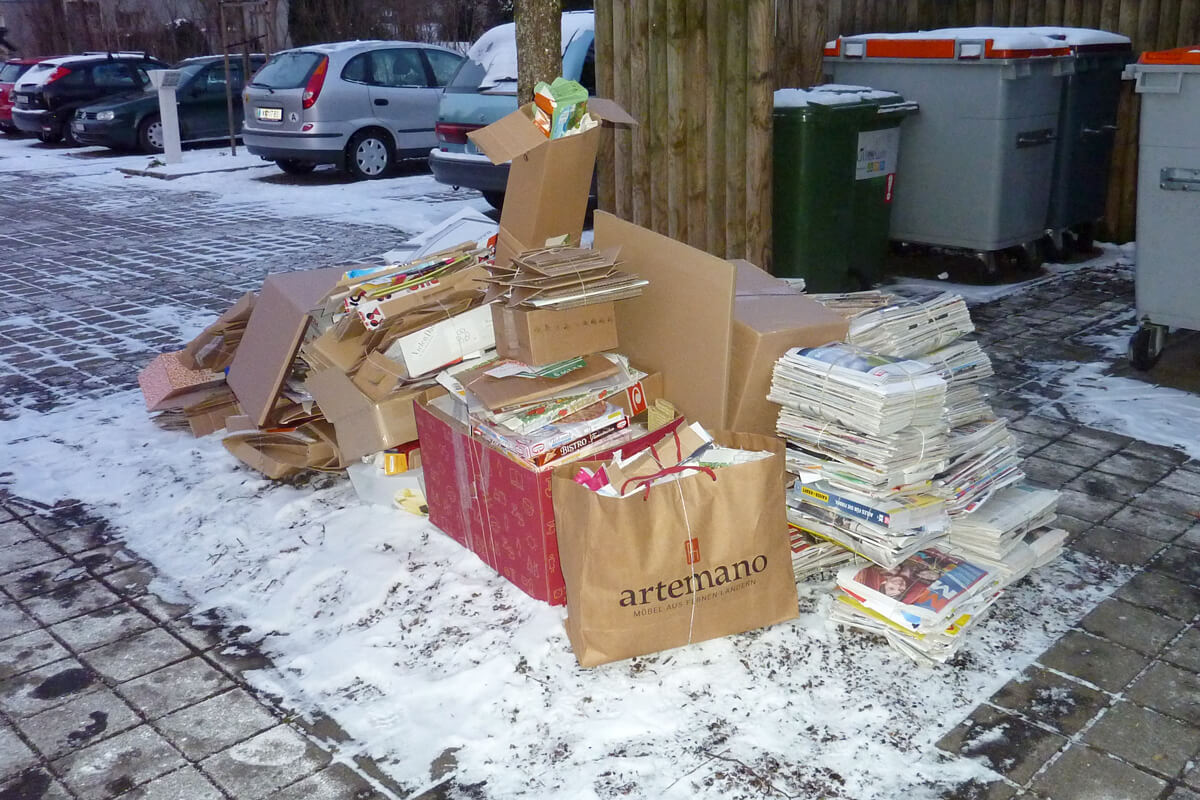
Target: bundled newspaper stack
[
  {"x": 983, "y": 456},
  {"x": 922, "y": 606},
  {"x": 910, "y": 328},
  {"x": 1011, "y": 531},
  {"x": 865, "y": 435},
  {"x": 813, "y": 556}
]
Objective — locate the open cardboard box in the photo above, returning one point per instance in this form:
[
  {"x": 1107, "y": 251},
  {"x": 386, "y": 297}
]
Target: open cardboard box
[
  {"x": 549, "y": 180},
  {"x": 497, "y": 506}
]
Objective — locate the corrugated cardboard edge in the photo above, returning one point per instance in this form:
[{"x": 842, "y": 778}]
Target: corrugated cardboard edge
[{"x": 682, "y": 325}]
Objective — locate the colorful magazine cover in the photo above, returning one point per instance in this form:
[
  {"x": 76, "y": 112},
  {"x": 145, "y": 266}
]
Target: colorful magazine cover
[{"x": 923, "y": 589}]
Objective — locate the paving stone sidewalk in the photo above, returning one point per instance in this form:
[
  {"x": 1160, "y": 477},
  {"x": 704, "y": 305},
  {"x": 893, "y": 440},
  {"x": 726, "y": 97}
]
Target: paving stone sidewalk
[{"x": 106, "y": 690}]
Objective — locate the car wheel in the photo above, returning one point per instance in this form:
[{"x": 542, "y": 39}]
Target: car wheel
[
  {"x": 369, "y": 155},
  {"x": 68, "y": 135},
  {"x": 293, "y": 167},
  {"x": 150, "y": 134},
  {"x": 495, "y": 200},
  {"x": 48, "y": 138}
]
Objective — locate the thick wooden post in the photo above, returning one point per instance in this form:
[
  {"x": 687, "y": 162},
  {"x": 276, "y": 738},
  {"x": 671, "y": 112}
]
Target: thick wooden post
[
  {"x": 760, "y": 102},
  {"x": 677, "y": 119},
  {"x": 715, "y": 17},
  {"x": 605, "y": 87},
  {"x": 735, "y": 129}
]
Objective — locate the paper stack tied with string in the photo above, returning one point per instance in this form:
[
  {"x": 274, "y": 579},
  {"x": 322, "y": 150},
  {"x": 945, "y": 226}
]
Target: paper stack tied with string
[
  {"x": 545, "y": 416},
  {"x": 865, "y": 435},
  {"x": 560, "y": 278},
  {"x": 983, "y": 455}
]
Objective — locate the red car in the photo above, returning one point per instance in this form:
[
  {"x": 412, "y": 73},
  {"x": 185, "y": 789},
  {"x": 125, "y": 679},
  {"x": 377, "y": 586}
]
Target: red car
[{"x": 10, "y": 71}]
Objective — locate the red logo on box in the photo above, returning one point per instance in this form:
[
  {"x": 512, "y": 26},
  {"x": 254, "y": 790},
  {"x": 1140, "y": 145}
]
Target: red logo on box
[
  {"x": 691, "y": 550},
  {"x": 637, "y": 399},
  {"x": 887, "y": 192}
]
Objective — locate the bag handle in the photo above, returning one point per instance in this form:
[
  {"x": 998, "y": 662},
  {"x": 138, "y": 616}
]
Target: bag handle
[
  {"x": 678, "y": 450},
  {"x": 646, "y": 480}
]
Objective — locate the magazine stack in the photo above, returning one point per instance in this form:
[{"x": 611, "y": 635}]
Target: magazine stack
[
  {"x": 866, "y": 438},
  {"x": 933, "y": 509}
]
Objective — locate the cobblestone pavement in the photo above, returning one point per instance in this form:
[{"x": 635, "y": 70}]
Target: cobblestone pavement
[{"x": 107, "y": 690}]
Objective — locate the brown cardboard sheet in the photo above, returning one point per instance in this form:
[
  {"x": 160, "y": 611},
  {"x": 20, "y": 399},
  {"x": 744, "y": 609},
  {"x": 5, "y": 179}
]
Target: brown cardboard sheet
[
  {"x": 543, "y": 337},
  {"x": 682, "y": 324},
  {"x": 273, "y": 335}
]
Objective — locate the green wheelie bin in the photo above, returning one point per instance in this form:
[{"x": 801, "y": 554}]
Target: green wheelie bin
[{"x": 835, "y": 157}]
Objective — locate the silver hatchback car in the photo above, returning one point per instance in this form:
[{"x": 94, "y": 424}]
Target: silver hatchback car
[{"x": 360, "y": 105}]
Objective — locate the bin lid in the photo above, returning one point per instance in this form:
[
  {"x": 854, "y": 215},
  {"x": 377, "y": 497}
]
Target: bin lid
[
  {"x": 1086, "y": 40},
  {"x": 957, "y": 44},
  {"x": 834, "y": 94},
  {"x": 1176, "y": 56}
]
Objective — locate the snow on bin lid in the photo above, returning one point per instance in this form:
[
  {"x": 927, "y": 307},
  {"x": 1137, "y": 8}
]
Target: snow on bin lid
[
  {"x": 1083, "y": 39},
  {"x": 1178, "y": 55},
  {"x": 977, "y": 43},
  {"x": 830, "y": 94}
]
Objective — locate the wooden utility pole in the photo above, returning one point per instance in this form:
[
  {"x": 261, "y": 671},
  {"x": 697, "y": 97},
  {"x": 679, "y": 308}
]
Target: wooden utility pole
[{"x": 539, "y": 44}]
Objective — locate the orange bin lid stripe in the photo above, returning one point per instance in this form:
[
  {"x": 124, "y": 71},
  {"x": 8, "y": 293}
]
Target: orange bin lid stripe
[
  {"x": 910, "y": 48},
  {"x": 1178, "y": 55}
]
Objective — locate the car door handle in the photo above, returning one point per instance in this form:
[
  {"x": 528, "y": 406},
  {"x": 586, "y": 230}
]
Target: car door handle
[{"x": 379, "y": 101}]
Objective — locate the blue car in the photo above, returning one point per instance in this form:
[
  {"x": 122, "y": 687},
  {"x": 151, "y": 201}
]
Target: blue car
[{"x": 485, "y": 89}]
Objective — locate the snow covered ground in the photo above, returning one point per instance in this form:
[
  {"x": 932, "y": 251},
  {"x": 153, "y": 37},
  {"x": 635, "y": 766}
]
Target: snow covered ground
[{"x": 415, "y": 647}]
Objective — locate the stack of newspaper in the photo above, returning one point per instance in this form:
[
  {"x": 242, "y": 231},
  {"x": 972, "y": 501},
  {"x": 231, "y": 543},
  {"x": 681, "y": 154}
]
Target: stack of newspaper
[
  {"x": 886, "y": 531},
  {"x": 910, "y": 328},
  {"x": 963, "y": 364},
  {"x": 867, "y": 392},
  {"x": 814, "y": 556},
  {"x": 998, "y": 525},
  {"x": 851, "y": 304},
  {"x": 921, "y": 606}
]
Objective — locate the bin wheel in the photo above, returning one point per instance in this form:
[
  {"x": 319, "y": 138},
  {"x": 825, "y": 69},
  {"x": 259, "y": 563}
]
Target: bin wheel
[
  {"x": 1057, "y": 246},
  {"x": 1146, "y": 346},
  {"x": 991, "y": 263},
  {"x": 1027, "y": 257},
  {"x": 1085, "y": 238}
]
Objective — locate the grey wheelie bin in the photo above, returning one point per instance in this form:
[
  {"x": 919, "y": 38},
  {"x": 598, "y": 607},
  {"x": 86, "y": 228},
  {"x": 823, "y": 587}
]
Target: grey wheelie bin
[
  {"x": 979, "y": 158},
  {"x": 1167, "y": 273},
  {"x": 1087, "y": 130}
]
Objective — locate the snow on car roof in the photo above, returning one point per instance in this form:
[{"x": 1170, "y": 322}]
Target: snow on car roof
[{"x": 496, "y": 50}]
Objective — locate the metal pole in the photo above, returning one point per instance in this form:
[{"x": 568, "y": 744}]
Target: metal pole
[{"x": 228, "y": 85}]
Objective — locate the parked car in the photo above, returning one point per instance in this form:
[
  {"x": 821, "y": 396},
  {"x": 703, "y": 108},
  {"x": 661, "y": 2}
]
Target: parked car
[
  {"x": 485, "y": 89},
  {"x": 10, "y": 72},
  {"x": 360, "y": 105},
  {"x": 50, "y": 92},
  {"x": 131, "y": 121}
]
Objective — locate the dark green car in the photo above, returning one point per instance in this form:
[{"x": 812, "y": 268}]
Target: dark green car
[{"x": 130, "y": 121}]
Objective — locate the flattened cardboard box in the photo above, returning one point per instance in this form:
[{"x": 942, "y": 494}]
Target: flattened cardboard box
[
  {"x": 273, "y": 335},
  {"x": 495, "y": 506},
  {"x": 540, "y": 337},
  {"x": 551, "y": 177}
]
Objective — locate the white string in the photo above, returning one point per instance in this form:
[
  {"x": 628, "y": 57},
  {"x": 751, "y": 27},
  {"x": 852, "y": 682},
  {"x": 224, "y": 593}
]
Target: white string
[{"x": 691, "y": 559}]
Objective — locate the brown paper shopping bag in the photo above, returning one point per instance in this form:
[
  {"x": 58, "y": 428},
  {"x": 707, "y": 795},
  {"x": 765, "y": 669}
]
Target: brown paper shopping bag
[{"x": 693, "y": 559}]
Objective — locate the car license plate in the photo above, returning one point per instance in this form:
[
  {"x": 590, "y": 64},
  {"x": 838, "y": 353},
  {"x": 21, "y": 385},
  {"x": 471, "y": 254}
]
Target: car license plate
[
  {"x": 271, "y": 114},
  {"x": 78, "y": 126}
]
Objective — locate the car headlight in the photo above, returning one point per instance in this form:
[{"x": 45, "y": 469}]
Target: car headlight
[{"x": 105, "y": 116}]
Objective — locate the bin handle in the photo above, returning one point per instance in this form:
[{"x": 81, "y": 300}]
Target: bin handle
[
  {"x": 1179, "y": 179},
  {"x": 1036, "y": 138},
  {"x": 1099, "y": 130}
]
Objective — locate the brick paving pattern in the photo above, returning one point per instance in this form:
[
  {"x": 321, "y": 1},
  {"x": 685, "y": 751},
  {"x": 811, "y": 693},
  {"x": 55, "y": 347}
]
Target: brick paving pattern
[{"x": 106, "y": 689}]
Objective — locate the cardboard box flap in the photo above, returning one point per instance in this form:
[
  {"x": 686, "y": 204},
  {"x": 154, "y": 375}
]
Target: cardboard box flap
[
  {"x": 609, "y": 111},
  {"x": 752, "y": 280},
  {"x": 498, "y": 393},
  {"x": 682, "y": 323},
  {"x": 273, "y": 335},
  {"x": 512, "y": 135},
  {"x": 205, "y": 350},
  {"x": 515, "y": 134},
  {"x": 362, "y": 426}
]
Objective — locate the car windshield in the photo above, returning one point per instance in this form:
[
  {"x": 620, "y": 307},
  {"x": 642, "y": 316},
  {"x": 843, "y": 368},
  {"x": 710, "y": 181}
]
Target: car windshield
[
  {"x": 287, "y": 70},
  {"x": 10, "y": 72}
]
